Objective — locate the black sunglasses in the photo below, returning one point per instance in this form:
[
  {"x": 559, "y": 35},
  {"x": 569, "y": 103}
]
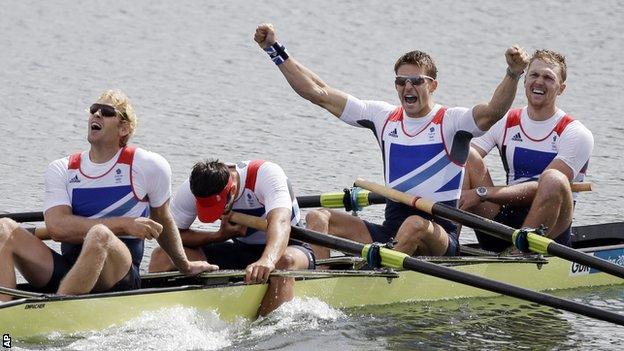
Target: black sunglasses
[
  {"x": 416, "y": 80},
  {"x": 106, "y": 110}
]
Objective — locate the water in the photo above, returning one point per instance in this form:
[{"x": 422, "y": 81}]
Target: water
[{"x": 202, "y": 88}]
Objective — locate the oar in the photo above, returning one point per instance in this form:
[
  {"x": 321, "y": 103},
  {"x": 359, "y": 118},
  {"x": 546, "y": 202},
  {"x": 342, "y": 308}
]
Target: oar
[
  {"x": 395, "y": 259},
  {"x": 536, "y": 243},
  {"x": 21, "y": 293},
  {"x": 351, "y": 199},
  {"x": 24, "y": 216}
]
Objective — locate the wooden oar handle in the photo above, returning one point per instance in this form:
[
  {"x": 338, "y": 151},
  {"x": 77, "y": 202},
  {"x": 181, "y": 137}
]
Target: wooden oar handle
[
  {"x": 581, "y": 186},
  {"x": 249, "y": 221},
  {"x": 41, "y": 233},
  {"x": 395, "y": 195}
]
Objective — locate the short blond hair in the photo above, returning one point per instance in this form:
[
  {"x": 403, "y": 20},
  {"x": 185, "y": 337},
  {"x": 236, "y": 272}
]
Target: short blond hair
[
  {"x": 552, "y": 57},
  {"x": 124, "y": 109}
]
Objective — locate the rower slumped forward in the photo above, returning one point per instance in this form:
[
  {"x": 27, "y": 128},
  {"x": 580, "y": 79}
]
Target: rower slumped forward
[
  {"x": 258, "y": 188},
  {"x": 101, "y": 204},
  {"x": 542, "y": 149},
  {"x": 424, "y": 145}
]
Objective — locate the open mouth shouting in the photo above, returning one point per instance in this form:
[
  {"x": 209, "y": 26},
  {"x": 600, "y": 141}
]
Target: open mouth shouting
[
  {"x": 410, "y": 99},
  {"x": 95, "y": 126}
]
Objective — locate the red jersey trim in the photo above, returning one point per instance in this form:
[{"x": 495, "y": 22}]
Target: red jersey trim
[
  {"x": 252, "y": 174},
  {"x": 513, "y": 119}
]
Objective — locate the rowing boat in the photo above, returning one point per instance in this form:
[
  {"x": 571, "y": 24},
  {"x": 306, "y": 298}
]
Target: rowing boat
[{"x": 33, "y": 315}]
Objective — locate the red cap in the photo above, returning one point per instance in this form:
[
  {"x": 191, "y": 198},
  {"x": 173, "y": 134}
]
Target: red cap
[{"x": 210, "y": 208}]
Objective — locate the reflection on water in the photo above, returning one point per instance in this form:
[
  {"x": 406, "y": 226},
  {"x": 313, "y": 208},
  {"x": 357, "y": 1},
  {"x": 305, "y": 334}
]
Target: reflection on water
[{"x": 493, "y": 324}]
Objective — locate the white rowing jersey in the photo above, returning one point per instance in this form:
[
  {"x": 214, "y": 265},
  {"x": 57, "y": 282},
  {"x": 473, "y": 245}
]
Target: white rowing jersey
[
  {"x": 125, "y": 186},
  {"x": 527, "y": 147},
  {"x": 423, "y": 156},
  {"x": 263, "y": 187}
]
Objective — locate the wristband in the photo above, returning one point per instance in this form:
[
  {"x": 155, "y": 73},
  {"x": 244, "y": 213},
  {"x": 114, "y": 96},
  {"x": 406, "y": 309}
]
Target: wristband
[
  {"x": 277, "y": 53},
  {"x": 513, "y": 75}
]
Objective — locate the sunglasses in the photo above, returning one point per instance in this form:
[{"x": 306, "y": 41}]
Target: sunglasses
[
  {"x": 416, "y": 80},
  {"x": 105, "y": 110}
]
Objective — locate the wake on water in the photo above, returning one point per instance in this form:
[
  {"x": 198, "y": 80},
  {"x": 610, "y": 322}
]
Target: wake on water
[{"x": 184, "y": 328}]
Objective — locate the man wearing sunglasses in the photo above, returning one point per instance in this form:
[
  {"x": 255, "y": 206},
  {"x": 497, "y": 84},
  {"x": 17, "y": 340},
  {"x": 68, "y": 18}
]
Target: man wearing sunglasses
[
  {"x": 542, "y": 148},
  {"x": 257, "y": 188},
  {"x": 100, "y": 204},
  {"x": 424, "y": 145}
]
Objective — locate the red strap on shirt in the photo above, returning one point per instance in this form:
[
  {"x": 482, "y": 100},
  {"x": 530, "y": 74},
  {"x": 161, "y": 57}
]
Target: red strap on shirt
[{"x": 252, "y": 174}]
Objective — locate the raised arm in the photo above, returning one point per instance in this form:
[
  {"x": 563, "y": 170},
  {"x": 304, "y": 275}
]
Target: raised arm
[
  {"x": 487, "y": 114},
  {"x": 303, "y": 81}
]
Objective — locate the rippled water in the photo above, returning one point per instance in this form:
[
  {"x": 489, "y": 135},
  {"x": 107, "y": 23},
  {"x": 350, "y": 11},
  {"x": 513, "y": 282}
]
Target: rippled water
[{"x": 202, "y": 88}]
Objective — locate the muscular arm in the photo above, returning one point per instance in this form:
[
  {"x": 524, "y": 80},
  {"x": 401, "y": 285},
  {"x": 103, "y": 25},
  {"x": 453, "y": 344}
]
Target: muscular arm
[
  {"x": 485, "y": 115},
  {"x": 194, "y": 238},
  {"x": 522, "y": 194},
  {"x": 277, "y": 234},
  {"x": 64, "y": 226},
  {"x": 303, "y": 81},
  {"x": 170, "y": 240}
]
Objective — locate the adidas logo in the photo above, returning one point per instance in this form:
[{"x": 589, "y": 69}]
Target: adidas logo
[
  {"x": 517, "y": 137},
  {"x": 75, "y": 179},
  {"x": 393, "y": 133}
]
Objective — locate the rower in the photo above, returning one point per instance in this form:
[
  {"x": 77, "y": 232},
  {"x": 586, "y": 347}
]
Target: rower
[
  {"x": 257, "y": 188},
  {"x": 424, "y": 145},
  {"x": 542, "y": 149},
  {"x": 101, "y": 204}
]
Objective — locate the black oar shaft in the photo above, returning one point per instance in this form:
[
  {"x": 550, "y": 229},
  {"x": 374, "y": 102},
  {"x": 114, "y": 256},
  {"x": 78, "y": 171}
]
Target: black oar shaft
[
  {"x": 442, "y": 272},
  {"x": 511, "y": 290},
  {"x": 24, "y": 216},
  {"x": 471, "y": 220},
  {"x": 506, "y": 233},
  {"x": 570, "y": 254},
  {"x": 329, "y": 200},
  {"x": 536, "y": 242}
]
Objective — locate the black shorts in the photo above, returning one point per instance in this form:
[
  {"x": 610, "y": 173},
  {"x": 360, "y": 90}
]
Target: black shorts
[
  {"x": 62, "y": 265},
  {"x": 513, "y": 217},
  {"x": 234, "y": 254},
  {"x": 386, "y": 232}
]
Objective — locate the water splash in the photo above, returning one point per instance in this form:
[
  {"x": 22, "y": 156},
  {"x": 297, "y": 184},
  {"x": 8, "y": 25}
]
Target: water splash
[
  {"x": 179, "y": 328},
  {"x": 288, "y": 324},
  {"x": 296, "y": 315}
]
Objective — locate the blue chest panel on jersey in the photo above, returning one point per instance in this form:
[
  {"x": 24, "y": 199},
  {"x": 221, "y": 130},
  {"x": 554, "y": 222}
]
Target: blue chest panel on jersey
[
  {"x": 87, "y": 202},
  {"x": 452, "y": 184},
  {"x": 530, "y": 163},
  {"x": 406, "y": 158}
]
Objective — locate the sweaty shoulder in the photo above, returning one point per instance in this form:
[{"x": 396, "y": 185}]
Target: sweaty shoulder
[{"x": 357, "y": 112}]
